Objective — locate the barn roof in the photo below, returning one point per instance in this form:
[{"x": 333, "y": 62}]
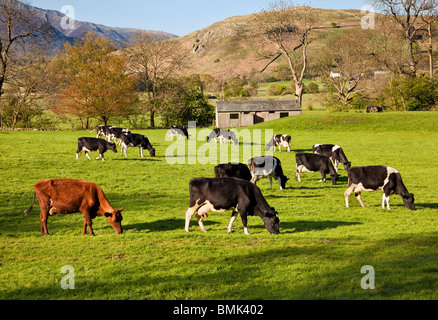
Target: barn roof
[{"x": 257, "y": 106}]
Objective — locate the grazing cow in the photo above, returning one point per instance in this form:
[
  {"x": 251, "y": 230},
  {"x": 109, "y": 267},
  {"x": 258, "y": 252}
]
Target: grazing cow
[
  {"x": 222, "y": 194},
  {"x": 179, "y": 131},
  {"x": 93, "y": 144},
  {"x": 223, "y": 135},
  {"x": 334, "y": 152},
  {"x": 115, "y": 134},
  {"x": 373, "y": 178},
  {"x": 279, "y": 140},
  {"x": 267, "y": 167},
  {"x": 65, "y": 196},
  {"x": 311, "y": 162},
  {"x": 102, "y": 131},
  {"x": 232, "y": 170},
  {"x": 136, "y": 140}
]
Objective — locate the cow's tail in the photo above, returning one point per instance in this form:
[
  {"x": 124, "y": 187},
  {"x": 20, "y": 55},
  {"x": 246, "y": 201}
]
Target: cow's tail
[{"x": 27, "y": 211}]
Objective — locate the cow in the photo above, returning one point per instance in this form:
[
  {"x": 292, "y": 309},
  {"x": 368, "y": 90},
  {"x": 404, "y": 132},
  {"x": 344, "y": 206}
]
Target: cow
[
  {"x": 311, "y": 162},
  {"x": 279, "y": 140},
  {"x": 179, "y": 131},
  {"x": 373, "y": 178},
  {"x": 222, "y": 194},
  {"x": 267, "y": 167},
  {"x": 223, "y": 135},
  {"x": 86, "y": 145},
  {"x": 232, "y": 170},
  {"x": 334, "y": 152},
  {"x": 115, "y": 134},
  {"x": 136, "y": 140},
  {"x": 102, "y": 131},
  {"x": 65, "y": 196}
]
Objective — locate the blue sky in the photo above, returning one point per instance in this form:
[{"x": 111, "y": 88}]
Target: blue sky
[{"x": 179, "y": 17}]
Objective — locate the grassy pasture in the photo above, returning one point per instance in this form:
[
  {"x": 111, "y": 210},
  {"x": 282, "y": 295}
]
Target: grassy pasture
[{"x": 318, "y": 255}]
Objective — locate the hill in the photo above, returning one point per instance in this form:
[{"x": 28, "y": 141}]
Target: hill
[{"x": 225, "y": 49}]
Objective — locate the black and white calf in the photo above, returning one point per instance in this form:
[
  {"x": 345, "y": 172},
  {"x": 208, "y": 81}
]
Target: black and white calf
[
  {"x": 232, "y": 170},
  {"x": 224, "y": 135},
  {"x": 279, "y": 140},
  {"x": 310, "y": 162},
  {"x": 102, "y": 131},
  {"x": 334, "y": 152},
  {"x": 86, "y": 145},
  {"x": 223, "y": 194},
  {"x": 178, "y": 131},
  {"x": 373, "y": 178},
  {"x": 136, "y": 140},
  {"x": 267, "y": 167}
]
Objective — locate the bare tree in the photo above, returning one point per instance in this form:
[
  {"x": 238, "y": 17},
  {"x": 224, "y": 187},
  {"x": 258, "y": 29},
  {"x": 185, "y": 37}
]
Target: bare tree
[
  {"x": 407, "y": 14},
  {"x": 288, "y": 29},
  {"x": 18, "y": 21},
  {"x": 153, "y": 59},
  {"x": 430, "y": 18}
]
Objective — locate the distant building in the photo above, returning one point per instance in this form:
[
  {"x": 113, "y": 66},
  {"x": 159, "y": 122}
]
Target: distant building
[{"x": 247, "y": 113}]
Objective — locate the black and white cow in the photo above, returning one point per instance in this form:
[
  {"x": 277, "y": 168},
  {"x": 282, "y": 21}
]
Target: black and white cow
[
  {"x": 136, "y": 140},
  {"x": 102, "y": 131},
  {"x": 223, "y": 194},
  {"x": 311, "y": 162},
  {"x": 86, "y": 145},
  {"x": 232, "y": 170},
  {"x": 224, "y": 135},
  {"x": 279, "y": 140},
  {"x": 179, "y": 131},
  {"x": 267, "y": 167},
  {"x": 373, "y": 178},
  {"x": 115, "y": 134},
  {"x": 334, "y": 152}
]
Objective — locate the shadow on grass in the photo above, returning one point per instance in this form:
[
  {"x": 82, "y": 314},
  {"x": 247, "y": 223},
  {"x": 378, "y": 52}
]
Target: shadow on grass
[{"x": 166, "y": 225}]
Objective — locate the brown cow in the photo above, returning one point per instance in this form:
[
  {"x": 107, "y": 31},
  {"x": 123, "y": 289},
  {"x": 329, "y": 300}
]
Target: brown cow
[{"x": 64, "y": 196}]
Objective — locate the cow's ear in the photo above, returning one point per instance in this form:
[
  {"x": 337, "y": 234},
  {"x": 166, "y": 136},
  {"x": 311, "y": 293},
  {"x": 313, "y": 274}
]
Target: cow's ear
[{"x": 121, "y": 209}]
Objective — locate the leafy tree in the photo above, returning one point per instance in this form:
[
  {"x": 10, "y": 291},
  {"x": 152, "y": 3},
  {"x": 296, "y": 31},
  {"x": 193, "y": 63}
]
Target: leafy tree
[{"x": 96, "y": 84}]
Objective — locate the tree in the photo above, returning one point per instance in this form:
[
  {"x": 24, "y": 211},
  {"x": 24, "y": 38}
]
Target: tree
[
  {"x": 95, "y": 82},
  {"x": 18, "y": 22},
  {"x": 430, "y": 18},
  {"x": 288, "y": 29},
  {"x": 344, "y": 65},
  {"x": 152, "y": 59},
  {"x": 407, "y": 14},
  {"x": 31, "y": 87}
]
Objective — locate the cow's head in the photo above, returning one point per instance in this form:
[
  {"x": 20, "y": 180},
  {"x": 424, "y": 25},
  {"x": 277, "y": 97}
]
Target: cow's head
[
  {"x": 334, "y": 178},
  {"x": 112, "y": 147},
  {"x": 347, "y": 165},
  {"x": 115, "y": 219},
  {"x": 283, "y": 181},
  {"x": 408, "y": 201},
  {"x": 271, "y": 221},
  {"x": 152, "y": 152}
]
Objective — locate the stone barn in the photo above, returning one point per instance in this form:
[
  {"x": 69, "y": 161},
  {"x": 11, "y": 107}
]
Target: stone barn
[{"x": 246, "y": 113}]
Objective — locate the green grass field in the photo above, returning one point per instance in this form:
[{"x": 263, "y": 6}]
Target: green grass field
[{"x": 318, "y": 255}]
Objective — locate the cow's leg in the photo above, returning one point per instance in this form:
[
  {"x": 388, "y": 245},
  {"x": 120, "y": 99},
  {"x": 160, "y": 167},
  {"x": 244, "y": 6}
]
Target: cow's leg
[
  {"x": 270, "y": 182},
  {"x": 297, "y": 173},
  {"x": 45, "y": 207},
  {"x": 288, "y": 149},
  {"x": 189, "y": 214},
  {"x": 140, "y": 151},
  {"x": 201, "y": 215},
  {"x": 279, "y": 183},
  {"x": 88, "y": 222},
  {"x": 347, "y": 194},
  {"x": 86, "y": 153},
  {"x": 323, "y": 175},
  {"x": 357, "y": 194},
  {"x": 244, "y": 218},
  {"x": 385, "y": 198},
  {"x": 233, "y": 218}
]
